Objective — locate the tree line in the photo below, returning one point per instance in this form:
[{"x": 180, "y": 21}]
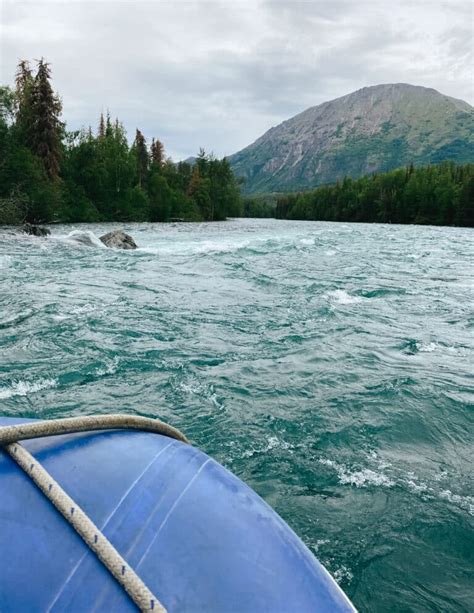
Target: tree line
[
  {"x": 441, "y": 194},
  {"x": 50, "y": 174}
]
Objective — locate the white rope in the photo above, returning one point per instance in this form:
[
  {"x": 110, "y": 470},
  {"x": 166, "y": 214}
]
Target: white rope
[
  {"x": 87, "y": 423},
  {"x": 71, "y": 511}
]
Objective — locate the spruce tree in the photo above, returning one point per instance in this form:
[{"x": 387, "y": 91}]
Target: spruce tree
[
  {"x": 46, "y": 127},
  {"x": 142, "y": 157},
  {"x": 108, "y": 126},
  {"x": 157, "y": 153},
  {"x": 101, "y": 131},
  {"x": 24, "y": 89}
]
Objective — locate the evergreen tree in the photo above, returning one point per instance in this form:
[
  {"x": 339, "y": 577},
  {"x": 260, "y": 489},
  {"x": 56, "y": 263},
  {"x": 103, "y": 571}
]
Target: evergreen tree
[
  {"x": 46, "y": 128},
  {"x": 108, "y": 125},
  {"x": 141, "y": 153},
  {"x": 101, "y": 130},
  {"x": 157, "y": 153},
  {"x": 24, "y": 87}
]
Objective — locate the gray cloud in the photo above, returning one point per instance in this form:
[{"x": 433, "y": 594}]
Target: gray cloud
[{"x": 218, "y": 74}]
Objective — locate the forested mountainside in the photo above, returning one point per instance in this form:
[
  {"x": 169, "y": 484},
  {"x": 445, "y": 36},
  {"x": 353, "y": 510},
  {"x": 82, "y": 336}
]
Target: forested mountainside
[{"x": 375, "y": 129}]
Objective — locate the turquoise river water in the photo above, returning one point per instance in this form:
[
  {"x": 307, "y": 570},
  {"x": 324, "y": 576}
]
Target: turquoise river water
[{"x": 328, "y": 365}]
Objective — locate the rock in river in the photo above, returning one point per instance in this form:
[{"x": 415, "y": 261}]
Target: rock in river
[
  {"x": 35, "y": 230},
  {"x": 118, "y": 239}
]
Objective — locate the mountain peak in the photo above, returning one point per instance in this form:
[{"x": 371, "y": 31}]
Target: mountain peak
[{"x": 375, "y": 128}]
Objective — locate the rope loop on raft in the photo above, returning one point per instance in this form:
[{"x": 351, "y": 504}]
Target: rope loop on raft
[
  {"x": 69, "y": 509},
  {"x": 87, "y": 423}
]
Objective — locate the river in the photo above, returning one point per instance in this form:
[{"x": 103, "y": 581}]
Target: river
[{"x": 328, "y": 365}]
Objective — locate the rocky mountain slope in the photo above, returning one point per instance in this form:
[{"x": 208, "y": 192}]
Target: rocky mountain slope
[{"x": 373, "y": 129}]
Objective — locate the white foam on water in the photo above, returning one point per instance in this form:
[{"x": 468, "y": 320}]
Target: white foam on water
[
  {"x": 321, "y": 542},
  {"x": 363, "y": 478},
  {"x": 359, "y": 478},
  {"x": 219, "y": 247},
  {"x": 433, "y": 491},
  {"x": 216, "y": 402},
  {"x": 82, "y": 308},
  {"x": 426, "y": 347},
  {"x": 330, "y": 252},
  {"x": 465, "y": 502},
  {"x": 74, "y": 311},
  {"x": 408, "y": 480},
  {"x": 307, "y": 241},
  {"x": 342, "y": 297},
  {"x": 195, "y": 248},
  {"x": 343, "y": 574},
  {"x": 328, "y": 462},
  {"x": 209, "y": 247},
  {"x": 190, "y": 389},
  {"x": 85, "y": 238},
  {"x": 273, "y": 442},
  {"x": 26, "y": 388},
  {"x": 109, "y": 369},
  {"x": 418, "y": 488}
]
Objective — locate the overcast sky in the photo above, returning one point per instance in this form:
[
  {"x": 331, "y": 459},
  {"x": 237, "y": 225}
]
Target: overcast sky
[{"x": 219, "y": 74}]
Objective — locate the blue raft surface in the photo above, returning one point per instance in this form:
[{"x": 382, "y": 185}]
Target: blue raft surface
[{"x": 199, "y": 537}]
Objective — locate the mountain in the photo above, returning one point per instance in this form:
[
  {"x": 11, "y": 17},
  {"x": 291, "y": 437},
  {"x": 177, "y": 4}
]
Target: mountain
[{"x": 374, "y": 129}]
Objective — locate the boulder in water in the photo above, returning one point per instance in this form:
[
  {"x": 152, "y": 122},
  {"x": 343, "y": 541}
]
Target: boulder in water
[
  {"x": 118, "y": 239},
  {"x": 35, "y": 230}
]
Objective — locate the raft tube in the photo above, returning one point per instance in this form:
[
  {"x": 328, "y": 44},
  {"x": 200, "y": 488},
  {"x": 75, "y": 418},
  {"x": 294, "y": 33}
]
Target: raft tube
[{"x": 199, "y": 537}]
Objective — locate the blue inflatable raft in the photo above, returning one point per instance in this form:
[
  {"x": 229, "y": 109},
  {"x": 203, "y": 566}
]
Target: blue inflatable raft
[{"x": 199, "y": 538}]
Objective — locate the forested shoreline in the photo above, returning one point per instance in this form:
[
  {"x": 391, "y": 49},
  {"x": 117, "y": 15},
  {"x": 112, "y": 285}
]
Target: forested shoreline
[
  {"x": 441, "y": 194},
  {"x": 50, "y": 174}
]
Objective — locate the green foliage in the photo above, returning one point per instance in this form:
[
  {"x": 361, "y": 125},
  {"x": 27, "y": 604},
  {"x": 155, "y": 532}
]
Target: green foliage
[
  {"x": 438, "y": 195},
  {"x": 45, "y": 131},
  {"x": 24, "y": 82},
  {"x": 48, "y": 174},
  {"x": 142, "y": 159},
  {"x": 14, "y": 209},
  {"x": 259, "y": 206},
  {"x": 157, "y": 152},
  {"x": 7, "y": 104}
]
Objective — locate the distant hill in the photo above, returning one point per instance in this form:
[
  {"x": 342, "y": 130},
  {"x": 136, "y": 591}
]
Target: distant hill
[{"x": 374, "y": 129}]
